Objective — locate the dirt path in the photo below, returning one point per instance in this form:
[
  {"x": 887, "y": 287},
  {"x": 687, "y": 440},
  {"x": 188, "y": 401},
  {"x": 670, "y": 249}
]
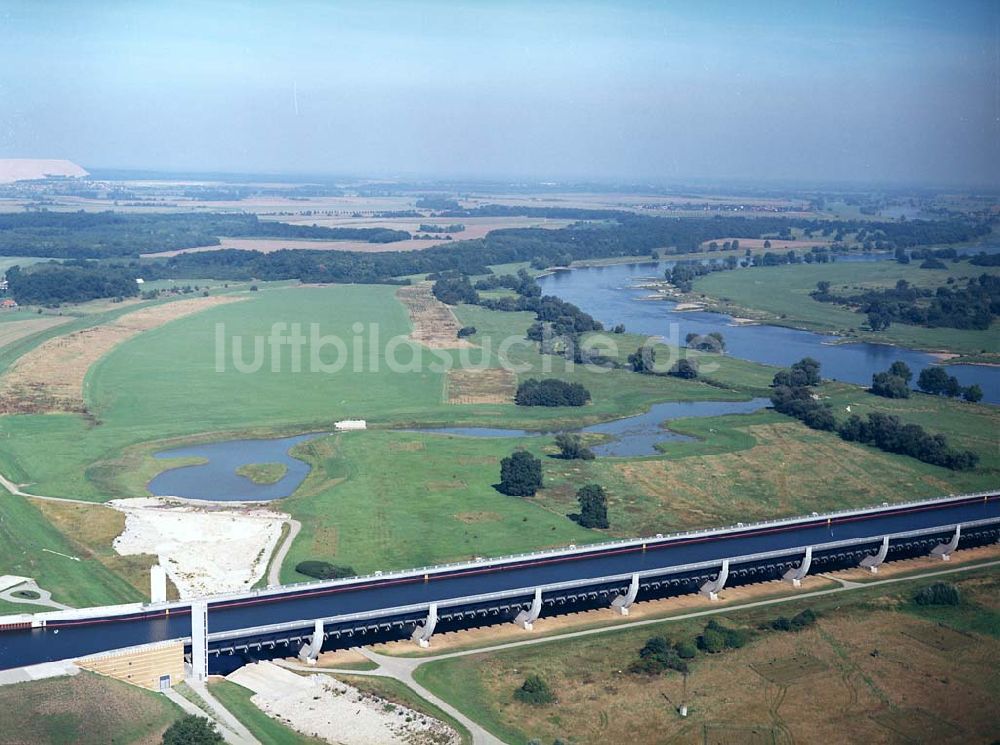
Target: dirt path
[
  {"x": 434, "y": 325},
  {"x": 50, "y": 377},
  {"x": 274, "y": 573}
]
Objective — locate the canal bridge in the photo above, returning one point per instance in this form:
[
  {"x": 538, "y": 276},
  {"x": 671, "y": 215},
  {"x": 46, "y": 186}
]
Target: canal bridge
[{"x": 222, "y": 632}]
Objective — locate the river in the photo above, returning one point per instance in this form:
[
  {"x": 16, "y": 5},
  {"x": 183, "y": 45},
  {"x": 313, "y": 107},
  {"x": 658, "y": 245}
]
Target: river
[{"x": 609, "y": 294}]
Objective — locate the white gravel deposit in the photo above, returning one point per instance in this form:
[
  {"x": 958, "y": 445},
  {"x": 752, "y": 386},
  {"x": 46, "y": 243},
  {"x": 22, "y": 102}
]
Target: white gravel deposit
[
  {"x": 321, "y": 706},
  {"x": 205, "y": 550}
]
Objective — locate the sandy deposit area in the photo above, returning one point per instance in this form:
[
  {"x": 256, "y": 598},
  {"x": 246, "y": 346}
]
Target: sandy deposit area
[
  {"x": 321, "y": 706},
  {"x": 50, "y": 376},
  {"x": 204, "y": 549},
  {"x": 434, "y": 323}
]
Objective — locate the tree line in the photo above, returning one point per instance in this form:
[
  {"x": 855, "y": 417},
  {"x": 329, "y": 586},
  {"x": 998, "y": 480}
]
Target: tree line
[
  {"x": 54, "y": 283},
  {"x": 102, "y": 235},
  {"x": 793, "y": 396}
]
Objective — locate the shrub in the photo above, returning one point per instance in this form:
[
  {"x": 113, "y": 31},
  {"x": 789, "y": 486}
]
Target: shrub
[
  {"x": 466, "y": 331},
  {"x": 686, "y": 369},
  {"x": 685, "y": 649},
  {"x": 324, "y": 570},
  {"x": 534, "y": 691},
  {"x": 716, "y": 638},
  {"x": 804, "y": 619},
  {"x": 192, "y": 730},
  {"x": 658, "y": 656},
  {"x": 571, "y": 447},
  {"x": 550, "y": 392},
  {"x": 940, "y": 593},
  {"x": 520, "y": 475}
]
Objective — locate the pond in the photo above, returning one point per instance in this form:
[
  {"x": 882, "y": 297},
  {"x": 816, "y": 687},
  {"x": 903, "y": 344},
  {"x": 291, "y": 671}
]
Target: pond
[
  {"x": 632, "y": 436},
  {"x": 609, "y": 294},
  {"x": 217, "y": 480}
]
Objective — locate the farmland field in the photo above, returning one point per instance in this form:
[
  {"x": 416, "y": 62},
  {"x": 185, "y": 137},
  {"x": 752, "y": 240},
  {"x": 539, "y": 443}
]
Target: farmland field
[{"x": 866, "y": 664}]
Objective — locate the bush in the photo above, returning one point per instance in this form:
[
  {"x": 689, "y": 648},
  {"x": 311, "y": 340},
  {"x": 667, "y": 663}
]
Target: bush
[
  {"x": 192, "y": 730},
  {"x": 550, "y": 392},
  {"x": 686, "y": 650},
  {"x": 658, "y": 656},
  {"x": 804, "y": 619},
  {"x": 571, "y": 447},
  {"x": 686, "y": 369},
  {"x": 520, "y": 475},
  {"x": 940, "y": 593},
  {"x": 717, "y": 638},
  {"x": 324, "y": 570},
  {"x": 535, "y": 691},
  {"x": 466, "y": 331}
]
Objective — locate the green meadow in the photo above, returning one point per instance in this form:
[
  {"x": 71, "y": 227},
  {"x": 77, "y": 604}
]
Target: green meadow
[
  {"x": 781, "y": 295},
  {"x": 386, "y": 498}
]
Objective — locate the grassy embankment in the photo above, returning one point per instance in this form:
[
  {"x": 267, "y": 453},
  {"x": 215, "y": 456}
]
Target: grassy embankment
[
  {"x": 875, "y": 661},
  {"x": 780, "y": 295},
  {"x": 86, "y": 709}
]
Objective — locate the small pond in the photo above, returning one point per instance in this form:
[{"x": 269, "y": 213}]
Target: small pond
[
  {"x": 217, "y": 480},
  {"x": 632, "y": 436}
]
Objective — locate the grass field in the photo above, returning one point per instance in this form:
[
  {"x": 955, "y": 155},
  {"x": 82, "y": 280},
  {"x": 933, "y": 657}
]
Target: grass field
[
  {"x": 435, "y": 502},
  {"x": 86, "y": 709},
  {"x": 872, "y": 663},
  {"x": 781, "y": 295},
  {"x": 30, "y": 546}
]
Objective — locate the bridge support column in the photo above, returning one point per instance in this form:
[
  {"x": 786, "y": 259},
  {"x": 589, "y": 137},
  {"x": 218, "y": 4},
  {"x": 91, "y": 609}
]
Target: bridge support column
[
  {"x": 712, "y": 589},
  {"x": 422, "y": 634},
  {"x": 526, "y": 618},
  {"x": 873, "y": 561},
  {"x": 796, "y": 575},
  {"x": 199, "y": 640},
  {"x": 944, "y": 550},
  {"x": 310, "y": 652},
  {"x": 623, "y": 602}
]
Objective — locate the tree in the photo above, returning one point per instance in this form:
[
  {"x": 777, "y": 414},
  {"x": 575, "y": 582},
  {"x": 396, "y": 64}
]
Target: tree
[
  {"x": 593, "y": 506},
  {"x": 767, "y": 244},
  {"x": 889, "y": 386},
  {"x": 550, "y": 392},
  {"x": 192, "y": 730},
  {"x": 901, "y": 370},
  {"x": 936, "y": 381},
  {"x": 686, "y": 369},
  {"x": 466, "y": 331},
  {"x": 520, "y": 475},
  {"x": 805, "y": 372},
  {"x": 879, "y": 320},
  {"x": 534, "y": 691},
  {"x": 643, "y": 359},
  {"x": 973, "y": 393},
  {"x": 571, "y": 447}
]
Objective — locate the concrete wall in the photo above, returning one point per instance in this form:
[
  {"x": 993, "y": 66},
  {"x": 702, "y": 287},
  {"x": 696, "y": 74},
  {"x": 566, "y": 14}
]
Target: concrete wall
[{"x": 140, "y": 666}]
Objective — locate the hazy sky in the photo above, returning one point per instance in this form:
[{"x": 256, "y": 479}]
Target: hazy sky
[{"x": 811, "y": 90}]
